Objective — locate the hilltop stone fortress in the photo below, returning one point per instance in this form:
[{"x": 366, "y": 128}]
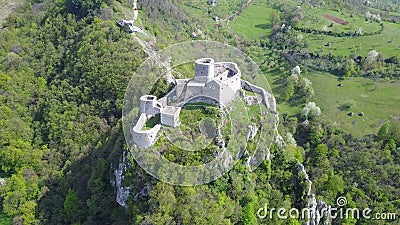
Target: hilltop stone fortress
[{"x": 216, "y": 83}]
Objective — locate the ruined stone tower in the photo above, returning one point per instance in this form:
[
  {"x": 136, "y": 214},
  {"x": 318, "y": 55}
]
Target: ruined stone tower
[{"x": 204, "y": 70}]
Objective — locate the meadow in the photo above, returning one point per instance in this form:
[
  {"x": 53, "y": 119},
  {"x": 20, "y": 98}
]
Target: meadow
[
  {"x": 378, "y": 101},
  {"x": 314, "y": 19},
  {"x": 375, "y": 99},
  {"x": 254, "y": 22},
  {"x": 386, "y": 43}
]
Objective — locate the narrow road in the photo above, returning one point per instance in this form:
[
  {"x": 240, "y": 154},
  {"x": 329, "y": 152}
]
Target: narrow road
[
  {"x": 148, "y": 48},
  {"x": 153, "y": 55}
]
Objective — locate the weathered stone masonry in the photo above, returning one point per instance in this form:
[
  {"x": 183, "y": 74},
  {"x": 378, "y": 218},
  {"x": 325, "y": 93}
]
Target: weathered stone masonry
[{"x": 215, "y": 83}]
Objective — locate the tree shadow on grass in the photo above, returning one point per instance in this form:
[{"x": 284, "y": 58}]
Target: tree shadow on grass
[
  {"x": 297, "y": 101},
  {"x": 279, "y": 81},
  {"x": 344, "y": 107},
  {"x": 263, "y": 26}
]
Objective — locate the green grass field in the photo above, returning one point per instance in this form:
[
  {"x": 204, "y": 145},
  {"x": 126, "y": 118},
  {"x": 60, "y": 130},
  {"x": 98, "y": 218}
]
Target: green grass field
[
  {"x": 378, "y": 101},
  {"x": 7, "y": 7},
  {"x": 315, "y": 20},
  {"x": 386, "y": 43},
  {"x": 253, "y": 22},
  {"x": 198, "y": 8}
]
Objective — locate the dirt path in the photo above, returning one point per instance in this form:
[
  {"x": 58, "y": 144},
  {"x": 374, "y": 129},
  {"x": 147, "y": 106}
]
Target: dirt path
[
  {"x": 146, "y": 40},
  {"x": 335, "y": 19},
  {"x": 149, "y": 49}
]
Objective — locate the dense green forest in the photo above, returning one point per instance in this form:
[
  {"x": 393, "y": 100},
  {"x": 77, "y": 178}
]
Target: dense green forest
[{"x": 64, "y": 68}]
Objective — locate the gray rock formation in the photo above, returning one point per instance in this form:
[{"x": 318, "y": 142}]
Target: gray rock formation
[
  {"x": 252, "y": 132},
  {"x": 122, "y": 192},
  {"x": 315, "y": 206},
  {"x": 226, "y": 158}
]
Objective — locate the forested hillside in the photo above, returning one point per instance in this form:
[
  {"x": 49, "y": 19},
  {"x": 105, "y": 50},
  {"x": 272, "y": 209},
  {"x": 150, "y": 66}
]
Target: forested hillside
[{"x": 64, "y": 68}]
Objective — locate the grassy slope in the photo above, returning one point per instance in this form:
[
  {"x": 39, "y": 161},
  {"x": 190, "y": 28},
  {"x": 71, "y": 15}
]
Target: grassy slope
[
  {"x": 379, "y": 102},
  {"x": 314, "y": 20},
  {"x": 387, "y": 43},
  {"x": 198, "y": 8},
  {"x": 276, "y": 81},
  {"x": 253, "y": 22}
]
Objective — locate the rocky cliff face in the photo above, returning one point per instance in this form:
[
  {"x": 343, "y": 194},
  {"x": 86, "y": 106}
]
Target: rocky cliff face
[
  {"x": 122, "y": 192},
  {"x": 315, "y": 206}
]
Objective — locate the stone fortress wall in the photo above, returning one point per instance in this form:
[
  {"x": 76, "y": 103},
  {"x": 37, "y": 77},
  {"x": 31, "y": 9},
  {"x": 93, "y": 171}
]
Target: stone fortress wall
[
  {"x": 267, "y": 97},
  {"x": 214, "y": 83},
  {"x": 149, "y": 106},
  {"x": 217, "y": 81},
  {"x": 144, "y": 138}
]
